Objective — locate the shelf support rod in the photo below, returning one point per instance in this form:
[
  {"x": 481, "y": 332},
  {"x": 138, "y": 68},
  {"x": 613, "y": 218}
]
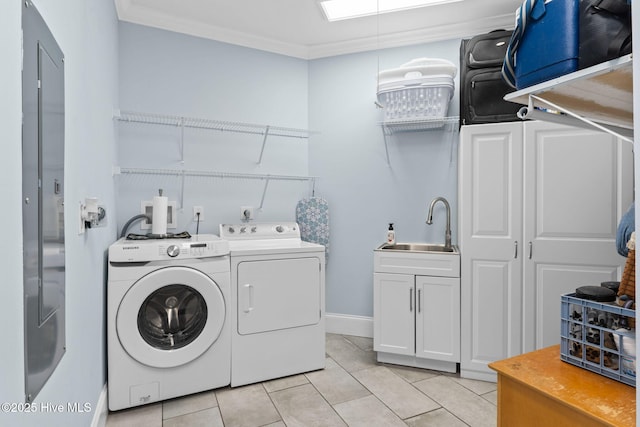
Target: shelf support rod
[
  {"x": 264, "y": 142},
  {"x": 452, "y": 132},
  {"x": 531, "y": 112},
  {"x": 182, "y": 120},
  {"x": 181, "y": 124},
  {"x": 182, "y": 179},
  {"x": 386, "y": 134},
  {"x": 264, "y": 192}
]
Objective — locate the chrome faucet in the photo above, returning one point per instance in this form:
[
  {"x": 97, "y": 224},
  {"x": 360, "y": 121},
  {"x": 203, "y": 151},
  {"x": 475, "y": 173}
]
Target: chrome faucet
[{"x": 447, "y": 232}]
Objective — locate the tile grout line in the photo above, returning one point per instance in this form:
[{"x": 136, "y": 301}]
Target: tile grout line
[
  {"x": 437, "y": 374},
  {"x": 371, "y": 393},
  {"x": 380, "y": 364},
  {"x": 325, "y": 399},
  {"x": 274, "y": 403},
  {"x": 421, "y": 392},
  {"x": 194, "y": 412}
]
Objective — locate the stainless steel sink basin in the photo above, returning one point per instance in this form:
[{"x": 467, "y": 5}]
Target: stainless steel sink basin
[{"x": 418, "y": 247}]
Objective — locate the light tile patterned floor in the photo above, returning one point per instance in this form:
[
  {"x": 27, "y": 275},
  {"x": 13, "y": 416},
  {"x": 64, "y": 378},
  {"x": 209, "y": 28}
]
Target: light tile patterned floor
[{"x": 353, "y": 390}]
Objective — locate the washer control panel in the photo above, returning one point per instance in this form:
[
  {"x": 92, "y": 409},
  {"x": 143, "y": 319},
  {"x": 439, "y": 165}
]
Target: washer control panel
[
  {"x": 264, "y": 230},
  {"x": 200, "y": 246}
]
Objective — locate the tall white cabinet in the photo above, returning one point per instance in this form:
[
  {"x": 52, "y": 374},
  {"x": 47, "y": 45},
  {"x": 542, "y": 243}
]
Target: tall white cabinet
[{"x": 539, "y": 205}]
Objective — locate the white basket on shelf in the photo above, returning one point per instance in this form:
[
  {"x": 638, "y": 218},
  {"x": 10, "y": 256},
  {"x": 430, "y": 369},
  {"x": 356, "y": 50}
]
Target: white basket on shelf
[{"x": 421, "y": 89}]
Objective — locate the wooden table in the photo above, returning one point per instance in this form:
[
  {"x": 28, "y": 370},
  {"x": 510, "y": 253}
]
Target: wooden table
[{"x": 538, "y": 389}]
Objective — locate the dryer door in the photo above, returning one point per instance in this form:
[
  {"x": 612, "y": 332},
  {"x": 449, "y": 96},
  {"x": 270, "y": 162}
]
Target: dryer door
[
  {"x": 278, "y": 294},
  {"x": 170, "y": 317}
]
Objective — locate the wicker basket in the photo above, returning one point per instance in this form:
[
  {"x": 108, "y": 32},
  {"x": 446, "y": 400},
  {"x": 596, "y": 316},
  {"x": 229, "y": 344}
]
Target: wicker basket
[{"x": 628, "y": 281}]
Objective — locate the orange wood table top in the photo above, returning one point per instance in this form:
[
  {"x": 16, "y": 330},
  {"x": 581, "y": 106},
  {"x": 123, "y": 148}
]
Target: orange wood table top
[{"x": 566, "y": 388}]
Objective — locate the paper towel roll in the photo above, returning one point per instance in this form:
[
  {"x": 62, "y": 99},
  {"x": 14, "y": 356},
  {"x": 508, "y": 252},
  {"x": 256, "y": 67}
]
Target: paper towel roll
[{"x": 159, "y": 216}]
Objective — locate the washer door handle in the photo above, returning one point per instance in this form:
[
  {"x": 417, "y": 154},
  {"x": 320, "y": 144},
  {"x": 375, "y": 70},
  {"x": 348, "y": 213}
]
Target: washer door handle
[{"x": 249, "y": 298}]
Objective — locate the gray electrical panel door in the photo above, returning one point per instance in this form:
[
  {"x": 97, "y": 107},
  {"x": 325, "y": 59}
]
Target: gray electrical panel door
[{"x": 43, "y": 201}]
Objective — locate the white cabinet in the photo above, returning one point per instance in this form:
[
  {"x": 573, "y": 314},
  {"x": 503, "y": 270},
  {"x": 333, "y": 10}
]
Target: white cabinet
[
  {"x": 539, "y": 205},
  {"x": 417, "y": 317}
]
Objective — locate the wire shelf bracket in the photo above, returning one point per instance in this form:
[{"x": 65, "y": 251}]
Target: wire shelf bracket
[
  {"x": 446, "y": 124},
  {"x": 600, "y": 97}
]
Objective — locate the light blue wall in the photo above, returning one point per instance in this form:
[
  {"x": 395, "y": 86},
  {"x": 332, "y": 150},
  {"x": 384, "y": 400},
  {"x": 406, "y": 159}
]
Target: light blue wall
[
  {"x": 365, "y": 193},
  {"x": 170, "y": 73},
  {"x": 87, "y": 34}
]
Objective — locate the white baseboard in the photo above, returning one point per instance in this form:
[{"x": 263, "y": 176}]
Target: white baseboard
[
  {"x": 344, "y": 324},
  {"x": 101, "y": 410}
]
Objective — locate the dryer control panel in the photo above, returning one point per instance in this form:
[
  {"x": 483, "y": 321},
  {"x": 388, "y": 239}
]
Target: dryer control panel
[
  {"x": 258, "y": 231},
  {"x": 199, "y": 246}
]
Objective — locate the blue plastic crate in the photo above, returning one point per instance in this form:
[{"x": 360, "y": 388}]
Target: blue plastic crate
[{"x": 594, "y": 335}]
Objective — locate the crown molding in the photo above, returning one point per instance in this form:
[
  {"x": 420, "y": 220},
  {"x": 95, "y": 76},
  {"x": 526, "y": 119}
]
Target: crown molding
[
  {"x": 407, "y": 38},
  {"x": 130, "y": 12}
]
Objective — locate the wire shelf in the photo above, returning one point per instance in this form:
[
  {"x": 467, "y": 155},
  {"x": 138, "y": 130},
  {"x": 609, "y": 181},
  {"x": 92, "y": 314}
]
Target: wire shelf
[
  {"x": 445, "y": 123},
  {"x": 182, "y": 174},
  {"x": 218, "y": 125},
  {"x": 211, "y": 174}
]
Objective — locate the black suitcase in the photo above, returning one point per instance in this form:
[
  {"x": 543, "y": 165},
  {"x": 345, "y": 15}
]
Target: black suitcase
[
  {"x": 482, "y": 88},
  {"x": 605, "y": 31}
]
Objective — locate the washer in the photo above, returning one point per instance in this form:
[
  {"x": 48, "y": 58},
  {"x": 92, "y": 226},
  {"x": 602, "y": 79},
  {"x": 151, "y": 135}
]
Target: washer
[
  {"x": 168, "y": 319},
  {"x": 277, "y": 302}
]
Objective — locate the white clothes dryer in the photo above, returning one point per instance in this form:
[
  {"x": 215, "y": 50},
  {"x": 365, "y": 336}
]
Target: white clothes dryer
[
  {"x": 277, "y": 302},
  {"x": 168, "y": 319}
]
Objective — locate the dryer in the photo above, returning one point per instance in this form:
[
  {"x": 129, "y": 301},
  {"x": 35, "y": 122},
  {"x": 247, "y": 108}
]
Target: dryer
[
  {"x": 277, "y": 302},
  {"x": 168, "y": 319}
]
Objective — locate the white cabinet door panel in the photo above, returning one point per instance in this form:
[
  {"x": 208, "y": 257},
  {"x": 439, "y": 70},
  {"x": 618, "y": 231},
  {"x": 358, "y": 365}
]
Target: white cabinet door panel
[
  {"x": 394, "y": 313},
  {"x": 495, "y": 320},
  {"x": 491, "y": 162},
  {"x": 552, "y": 282},
  {"x": 571, "y": 183},
  {"x": 490, "y": 206},
  {"x": 577, "y": 186},
  {"x": 438, "y": 318}
]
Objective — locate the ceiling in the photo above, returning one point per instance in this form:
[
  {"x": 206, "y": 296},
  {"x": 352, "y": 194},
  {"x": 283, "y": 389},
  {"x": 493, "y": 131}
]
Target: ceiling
[{"x": 298, "y": 28}]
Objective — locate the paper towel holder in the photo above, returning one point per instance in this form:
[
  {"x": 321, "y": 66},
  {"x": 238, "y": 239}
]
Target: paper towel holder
[{"x": 146, "y": 207}]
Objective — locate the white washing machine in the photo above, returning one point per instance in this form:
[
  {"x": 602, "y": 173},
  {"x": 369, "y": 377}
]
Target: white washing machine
[
  {"x": 168, "y": 319},
  {"x": 277, "y": 302}
]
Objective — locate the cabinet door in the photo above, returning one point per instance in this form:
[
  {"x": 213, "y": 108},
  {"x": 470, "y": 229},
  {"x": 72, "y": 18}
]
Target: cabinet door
[
  {"x": 490, "y": 230},
  {"x": 438, "y": 318},
  {"x": 578, "y": 183},
  {"x": 394, "y": 313}
]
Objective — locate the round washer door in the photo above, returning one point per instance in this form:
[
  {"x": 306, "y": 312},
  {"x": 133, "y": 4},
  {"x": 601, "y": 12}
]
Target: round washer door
[{"x": 170, "y": 317}]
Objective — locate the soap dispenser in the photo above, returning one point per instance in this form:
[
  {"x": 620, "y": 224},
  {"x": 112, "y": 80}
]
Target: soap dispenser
[{"x": 391, "y": 235}]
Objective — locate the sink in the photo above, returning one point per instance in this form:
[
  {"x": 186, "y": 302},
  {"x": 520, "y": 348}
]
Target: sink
[
  {"x": 418, "y": 247},
  {"x": 420, "y": 259}
]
